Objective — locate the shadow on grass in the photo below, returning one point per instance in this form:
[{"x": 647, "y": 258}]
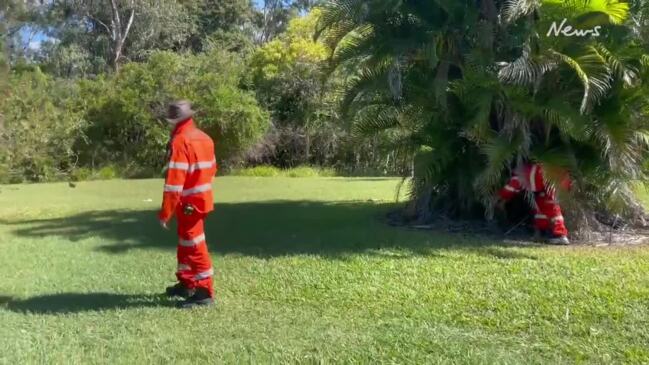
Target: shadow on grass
[
  {"x": 77, "y": 302},
  {"x": 269, "y": 229}
]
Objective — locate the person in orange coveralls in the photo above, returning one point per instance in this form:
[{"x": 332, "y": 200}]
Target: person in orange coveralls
[
  {"x": 188, "y": 196},
  {"x": 547, "y": 212}
]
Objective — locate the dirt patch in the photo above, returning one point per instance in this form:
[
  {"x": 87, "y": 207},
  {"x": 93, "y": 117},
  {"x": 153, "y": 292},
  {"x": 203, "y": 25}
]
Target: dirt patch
[{"x": 522, "y": 233}]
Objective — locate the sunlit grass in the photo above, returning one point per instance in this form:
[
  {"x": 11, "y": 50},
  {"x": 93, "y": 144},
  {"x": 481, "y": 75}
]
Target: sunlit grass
[{"x": 307, "y": 271}]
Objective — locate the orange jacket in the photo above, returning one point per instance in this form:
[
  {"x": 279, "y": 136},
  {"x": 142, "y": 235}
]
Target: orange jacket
[
  {"x": 529, "y": 177},
  {"x": 192, "y": 166}
]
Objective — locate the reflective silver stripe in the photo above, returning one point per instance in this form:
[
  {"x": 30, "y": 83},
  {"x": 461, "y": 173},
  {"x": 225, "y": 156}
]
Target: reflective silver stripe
[
  {"x": 533, "y": 178},
  {"x": 540, "y": 216},
  {"x": 204, "y": 275},
  {"x": 202, "y": 165},
  {"x": 515, "y": 178},
  {"x": 183, "y": 267},
  {"x": 193, "y": 242},
  {"x": 558, "y": 218},
  {"x": 510, "y": 188},
  {"x": 173, "y": 188},
  {"x": 178, "y": 165},
  {"x": 198, "y": 189}
]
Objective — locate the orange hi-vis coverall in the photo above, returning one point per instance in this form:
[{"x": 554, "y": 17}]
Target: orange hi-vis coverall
[
  {"x": 547, "y": 212},
  {"x": 191, "y": 169}
]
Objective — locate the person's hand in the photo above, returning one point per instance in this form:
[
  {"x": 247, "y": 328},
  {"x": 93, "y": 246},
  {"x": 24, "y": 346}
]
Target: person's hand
[{"x": 163, "y": 224}]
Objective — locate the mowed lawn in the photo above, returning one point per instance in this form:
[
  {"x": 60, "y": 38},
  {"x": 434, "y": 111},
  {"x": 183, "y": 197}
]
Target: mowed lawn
[{"x": 307, "y": 272}]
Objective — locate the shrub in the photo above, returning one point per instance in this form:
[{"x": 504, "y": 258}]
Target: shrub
[
  {"x": 81, "y": 174},
  {"x": 258, "y": 171},
  {"x": 108, "y": 173},
  {"x": 126, "y": 110},
  {"x": 307, "y": 171},
  {"x": 271, "y": 171},
  {"x": 41, "y": 125}
]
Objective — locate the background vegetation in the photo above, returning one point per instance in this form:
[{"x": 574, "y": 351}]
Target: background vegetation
[
  {"x": 90, "y": 80},
  {"x": 452, "y": 93}
]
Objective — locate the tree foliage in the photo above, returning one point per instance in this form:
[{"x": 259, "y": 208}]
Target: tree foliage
[
  {"x": 127, "y": 109},
  {"x": 451, "y": 93},
  {"x": 289, "y": 76},
  {"x": 230, "y": 22},
  {"x": 292, "y": 58},
  {"x": 115, "y": 31},
  {"x": 41, "y": 125},
  {"x": 54, "y": 126},
  {"x": 472, "y": 89}
]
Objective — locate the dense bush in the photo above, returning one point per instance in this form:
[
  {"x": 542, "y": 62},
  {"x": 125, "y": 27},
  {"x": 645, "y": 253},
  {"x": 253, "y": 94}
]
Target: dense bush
[
  {"x": 54, "y": 128},
  {"x": 258, "y": 171},
  {"x": 272, "y": 171},
  {"x": 267, "y": 103},
  {"x": 126, "y": 111},
  {"x": 289, "y": 75},
  {"x": 307, "y": 171},
  {"x": 41, "y": 124}
]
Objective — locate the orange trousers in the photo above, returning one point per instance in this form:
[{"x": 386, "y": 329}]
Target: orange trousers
[
  {"x": 547, "y": 214},
  {"x": 194, "y": 263}
]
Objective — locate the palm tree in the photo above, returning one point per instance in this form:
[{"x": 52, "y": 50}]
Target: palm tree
[
  {"x": 577, "y": 105},
  {"x": 471, "y": 89}
]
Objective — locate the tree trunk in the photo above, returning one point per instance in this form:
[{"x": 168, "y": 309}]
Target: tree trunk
[
  {"x": 116, "y": 57},
  {"x": 423, "y": 206},
  {"x": 308, "y": 148},
  {"x": 118, "y": 32}
]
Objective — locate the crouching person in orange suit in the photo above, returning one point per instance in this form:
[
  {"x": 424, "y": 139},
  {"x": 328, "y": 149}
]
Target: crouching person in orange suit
[
  {"x": 547, "y": 211},
  {"x": 188, "y": 196}
]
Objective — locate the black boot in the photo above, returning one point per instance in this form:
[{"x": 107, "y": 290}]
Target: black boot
[
  {"x": 179, "y": 290},
  {"x": 201, "y": 298}
]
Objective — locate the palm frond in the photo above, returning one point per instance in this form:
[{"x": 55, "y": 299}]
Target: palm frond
[
  {"x": 644, "y": 61},
  {"x": 526, "y": 71},
  {"x": 617, "y": 11},
  {"x": 591, "y": 68},
  {"x": 369, "y": 80},
  {"x": 375, "y": 119},
  {"x": 357, "y": 43},
  {"x": 500, "y": 152},
  {"x": 623, "y": 71},
  {"x": 338, "y": 19},
  {"x": 516, "y": 9}
]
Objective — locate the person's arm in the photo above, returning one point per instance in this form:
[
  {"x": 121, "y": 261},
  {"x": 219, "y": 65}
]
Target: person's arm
[
  {"x": 510, "y": 190},
  {"x": 174, "y": 182}
]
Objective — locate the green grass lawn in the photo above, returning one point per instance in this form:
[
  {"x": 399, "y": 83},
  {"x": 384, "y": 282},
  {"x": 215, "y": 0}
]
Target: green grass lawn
[{"x": 307, "y": 272}]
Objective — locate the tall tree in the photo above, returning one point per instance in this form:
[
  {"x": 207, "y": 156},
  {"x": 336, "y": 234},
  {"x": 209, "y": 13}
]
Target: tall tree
[
  {"x": 116, "y": 30},
  {"x": 640, "y": 19},
  {"x": 224, "y": 15},
  {"x": 13, "y": 13},
  {"x": 4, "y": 64},
  {"x": 273, "y": 18},
  {"x": 221, "y": 19},
  {"x": 113, "y": 18},
  {"x": 15, "y": 16},
  {"x": 288, "y": 76},
  {"x": 306, "y": 5}
]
